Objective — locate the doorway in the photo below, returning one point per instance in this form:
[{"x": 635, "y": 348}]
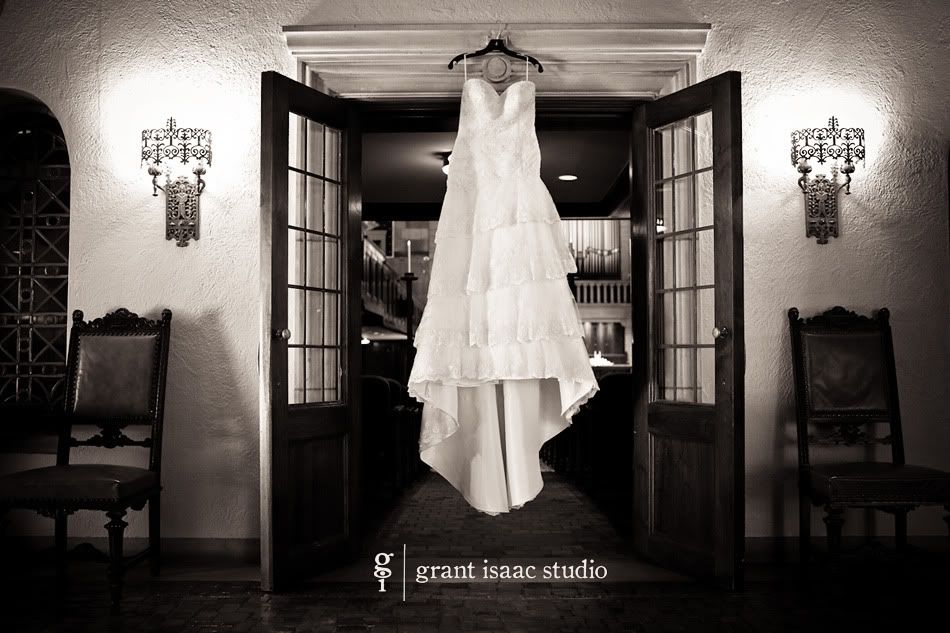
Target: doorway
[
  {"x": 585, "y": 151},
  {"x": 34, "y": 257},
  {"x": 312, "y": 451}
]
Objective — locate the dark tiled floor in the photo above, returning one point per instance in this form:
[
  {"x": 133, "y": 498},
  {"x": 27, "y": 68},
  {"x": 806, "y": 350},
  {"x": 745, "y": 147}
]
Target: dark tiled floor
[
  {"x": 561, "y": 525},
  {"x": 869, "y": 590}
]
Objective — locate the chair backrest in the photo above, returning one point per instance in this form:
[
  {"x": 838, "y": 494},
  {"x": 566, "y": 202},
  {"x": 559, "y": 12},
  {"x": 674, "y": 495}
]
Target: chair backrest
[
  {"x": 115, "y": 377},
  {"x": 845, "y": 380}
]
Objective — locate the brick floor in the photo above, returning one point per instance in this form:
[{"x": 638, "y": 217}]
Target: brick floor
[{"x": 870, "y": 590}]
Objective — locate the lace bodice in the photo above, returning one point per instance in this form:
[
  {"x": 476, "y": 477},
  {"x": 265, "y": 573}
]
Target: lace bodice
[{"x": 496, "y": 136}]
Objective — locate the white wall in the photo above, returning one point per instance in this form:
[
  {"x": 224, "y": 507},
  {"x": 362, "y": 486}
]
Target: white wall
[{"x": 109, "y": 69}]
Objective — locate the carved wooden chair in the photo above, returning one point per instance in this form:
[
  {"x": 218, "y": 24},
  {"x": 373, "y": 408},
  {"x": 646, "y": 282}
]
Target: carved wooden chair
[
  {"x": 115, "y": 377},
  {"x": 845, "y": 386}
]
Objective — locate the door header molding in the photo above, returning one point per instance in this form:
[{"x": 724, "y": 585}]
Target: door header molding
[{"x": 409, "y": 61}]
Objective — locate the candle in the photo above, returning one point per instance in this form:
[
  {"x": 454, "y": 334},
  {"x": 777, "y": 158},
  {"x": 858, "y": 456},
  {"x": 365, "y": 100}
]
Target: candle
[{"x": 409, "y": 256}]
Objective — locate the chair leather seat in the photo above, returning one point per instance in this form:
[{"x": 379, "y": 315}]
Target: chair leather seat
[
  {"x": 879, "y": 482},
  {"x": 77, "y": 482}
]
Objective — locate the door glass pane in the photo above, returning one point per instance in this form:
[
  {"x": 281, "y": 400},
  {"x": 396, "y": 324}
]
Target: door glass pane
[
  {"x": 683, "y": 203},
  {"x": 296, "y": 200},
  {"x": 295, "y": 375},
  {"x": 331, "y": 325},
  {"x": 316, "y": 376},
  {"x": 685, "y": 267},
  {"x": 686, "y": 260},
  {"x": 704, "y": 199},
  {"x": 331, "y": 206},
  {"x": 333, "y": 154},
  {"x": 323, "y": 262},
  {"x": 331, "y": 374},
  {"x": 685, "y": 377},
  {"x": 315, "y": 317},
  {"x": 686, "y": 317},
  {"x": 667, "y": 319},
  {"x": 705, "y": 264},
  {"x": 331, "y": 259},
  {"x": 315, "y": 210},
  {"x": 295, "y": 315},
  {"x": 296, "y": 262},
  {"x": 314, "y": 148},
  {"x": 323, "y": 365},
  {"x": 315, "y": 268},
  {"x": 667, "y": 265},
  {"x": 297, "y": 132},
  {"x": 664, "y": 207},
  {"x": 667, "y": 372},
  {"x": 664, "y": 152},
  {"x": 706, "y": 315},
  {"x": 683, "y": 147},
  {"x": 314, "y": 265},
  {"x": 703, "y": 132},
  {"x": 707, "y": 375}
]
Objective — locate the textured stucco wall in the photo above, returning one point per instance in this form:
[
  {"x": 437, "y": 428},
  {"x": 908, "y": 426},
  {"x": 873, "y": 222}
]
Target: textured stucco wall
[{"x": 108, "y": 69}]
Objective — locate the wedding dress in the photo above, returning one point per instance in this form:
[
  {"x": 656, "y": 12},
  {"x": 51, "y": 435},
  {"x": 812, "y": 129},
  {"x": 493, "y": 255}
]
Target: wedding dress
[{"x": 501, "y": 365}]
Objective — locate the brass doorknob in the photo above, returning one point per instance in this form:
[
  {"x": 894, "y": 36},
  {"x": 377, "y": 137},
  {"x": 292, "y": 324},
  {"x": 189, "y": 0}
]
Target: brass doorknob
[
  {"x": 720, "y": 333},
  {"x": 282, "y": 334}
]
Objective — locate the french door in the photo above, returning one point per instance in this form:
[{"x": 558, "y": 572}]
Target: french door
[
  {"x": 310, "y": 259},
  {"x": 688, "y": 354}
]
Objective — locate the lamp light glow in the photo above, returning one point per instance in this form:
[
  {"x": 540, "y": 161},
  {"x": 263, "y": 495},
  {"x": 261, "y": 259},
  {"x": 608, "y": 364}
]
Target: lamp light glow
[{"x": 567, "y": 177}]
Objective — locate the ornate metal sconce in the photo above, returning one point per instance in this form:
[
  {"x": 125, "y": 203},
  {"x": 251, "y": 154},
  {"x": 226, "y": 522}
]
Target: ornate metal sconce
[
  {"x": 161, "y": 148},
  {"x": 841, "y": 148}
]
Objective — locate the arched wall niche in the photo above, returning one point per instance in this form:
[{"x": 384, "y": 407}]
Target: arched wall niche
[{"x": 34, "y": 254}]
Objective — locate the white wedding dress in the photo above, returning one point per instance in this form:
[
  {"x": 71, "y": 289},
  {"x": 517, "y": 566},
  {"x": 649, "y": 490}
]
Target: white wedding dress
[{"x": 501, "y": 365}]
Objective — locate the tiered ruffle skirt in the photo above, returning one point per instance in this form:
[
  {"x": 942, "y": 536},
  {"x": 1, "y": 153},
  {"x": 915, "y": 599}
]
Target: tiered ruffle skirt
[{"x": 501, "y": 366}]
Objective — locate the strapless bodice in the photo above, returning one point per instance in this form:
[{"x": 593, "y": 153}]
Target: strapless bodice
[
  {"x": 496, "y": 134},
  {"x": 481, "y": 102}
]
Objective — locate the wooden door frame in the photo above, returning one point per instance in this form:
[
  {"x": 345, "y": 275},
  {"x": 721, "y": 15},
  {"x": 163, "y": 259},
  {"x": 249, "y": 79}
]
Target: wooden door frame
[
  {"x": 722, "y": 95},
  {"x": 441, "y": 115},
  {"x": 277, "y": 91}
]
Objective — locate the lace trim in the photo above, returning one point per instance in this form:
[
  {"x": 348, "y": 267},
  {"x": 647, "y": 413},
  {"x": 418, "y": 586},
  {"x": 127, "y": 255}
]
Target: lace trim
[
  {"x": 560, "y": 329},
  {"x": 544, "y": 309},
  {"x": 576, "y": 407},
  {"x": 565, "y": 359},
  {"x": 509, "y": 201},
  {"x": 479, "y": 284},
  {"x": 434, "y": 432},
  {"x": 507, "y": 256}
]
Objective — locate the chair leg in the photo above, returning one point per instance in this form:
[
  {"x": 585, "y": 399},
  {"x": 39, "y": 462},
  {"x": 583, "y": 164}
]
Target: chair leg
[
  {"x": 62, "y": 520},
  {"x": 834, "y": 519},
  {"x": 804, "y": 529},
  {"x": 116, "y": 527},
  {"x": 900, "y": 530},
  {"x": 155, "y": 534}
]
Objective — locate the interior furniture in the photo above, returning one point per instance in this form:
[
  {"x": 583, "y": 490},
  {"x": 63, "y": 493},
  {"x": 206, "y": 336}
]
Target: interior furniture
[
  {"x": 390, "y": 453},
  {"x": 845, "y": 388},
  {"x": 115, "y": 377}
]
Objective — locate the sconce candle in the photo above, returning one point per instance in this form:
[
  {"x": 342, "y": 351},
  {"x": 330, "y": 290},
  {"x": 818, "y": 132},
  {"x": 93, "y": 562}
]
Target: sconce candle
[
  {"x": 841, "y": 148},
  {"x": 161, "y": 148},
  {"x": 408, "y": 256}
]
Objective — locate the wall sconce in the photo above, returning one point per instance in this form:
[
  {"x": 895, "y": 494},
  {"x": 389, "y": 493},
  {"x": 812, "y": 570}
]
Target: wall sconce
[
  {"x": 841, "y": 148},
  {"x": 161, "y": 149}
]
